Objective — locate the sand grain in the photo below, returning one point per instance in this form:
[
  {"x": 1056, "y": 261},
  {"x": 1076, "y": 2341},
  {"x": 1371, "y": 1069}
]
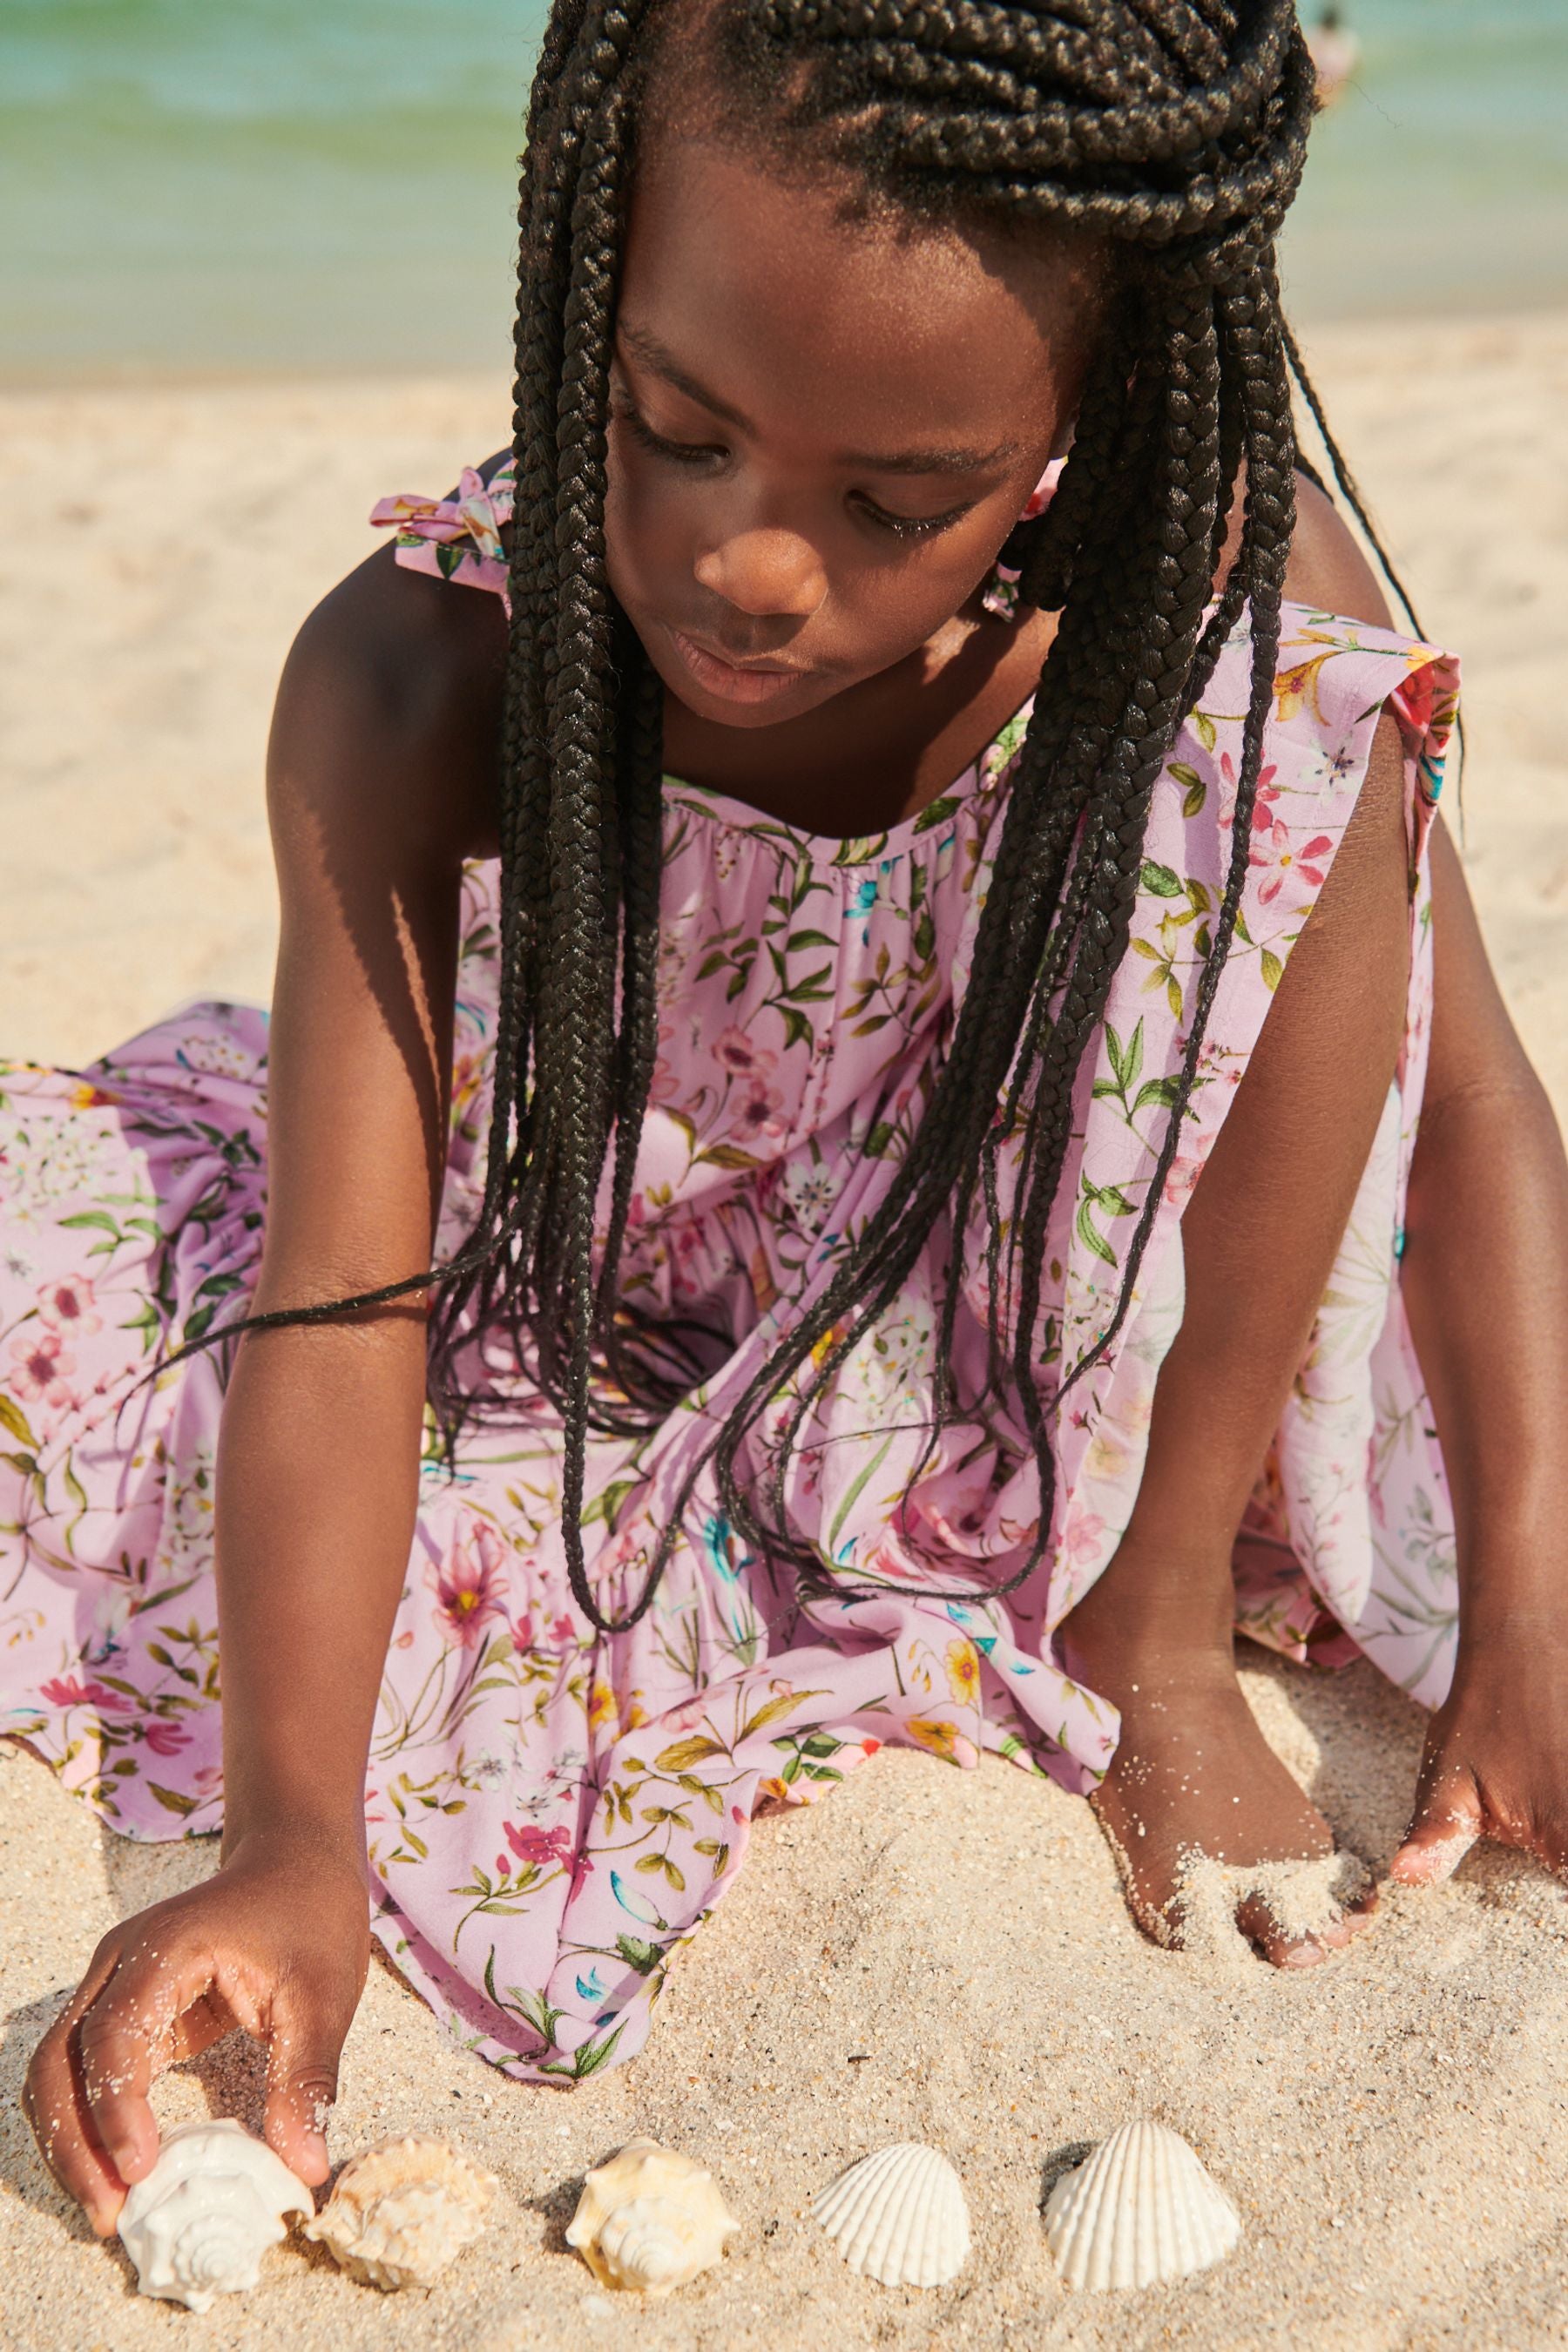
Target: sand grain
[{"x": 930, "y": 1954}]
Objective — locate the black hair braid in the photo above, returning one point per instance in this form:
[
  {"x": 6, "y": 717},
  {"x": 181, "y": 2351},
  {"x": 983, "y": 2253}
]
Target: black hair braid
[
  {"x": 1104, "y": 880},
  {"x": 1252, "y": 319},
  {"x": 1172, "y": 131},
  {"x": 560, "y": 104},
  {"x": 1094, "y": 655},
  {"x": 1189, "y": 477},
  {"x": 640, "y": 766}
]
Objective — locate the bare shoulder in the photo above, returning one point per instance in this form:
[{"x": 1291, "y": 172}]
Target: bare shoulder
[
  {"x": 1326, "y": 569},
  {"x": 391, "y": 693}
]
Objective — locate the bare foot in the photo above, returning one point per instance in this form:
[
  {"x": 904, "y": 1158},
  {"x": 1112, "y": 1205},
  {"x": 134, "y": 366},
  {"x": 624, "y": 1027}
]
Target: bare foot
[{"x": 1200, "y": 1812}]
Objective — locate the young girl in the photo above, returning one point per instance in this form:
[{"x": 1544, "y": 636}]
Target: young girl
[{"x": 864, "y": 937}]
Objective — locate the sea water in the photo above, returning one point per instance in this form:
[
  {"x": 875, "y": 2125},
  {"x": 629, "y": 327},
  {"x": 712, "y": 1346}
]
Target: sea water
[{"x": 282, "y": 184}]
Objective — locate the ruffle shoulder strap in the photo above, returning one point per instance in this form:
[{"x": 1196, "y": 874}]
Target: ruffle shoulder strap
[{"x": 457, "y": 538}]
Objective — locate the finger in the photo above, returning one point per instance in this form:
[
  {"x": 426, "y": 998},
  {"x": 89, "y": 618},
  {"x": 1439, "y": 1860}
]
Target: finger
[
  {"x": 304, "y": 2047},
  {"x": 197, "y": 2028},
  {"x": 126, "y": 2039},
  {"x": 55, "y": 2104},
  {"x": 1449, "y": 1820}
]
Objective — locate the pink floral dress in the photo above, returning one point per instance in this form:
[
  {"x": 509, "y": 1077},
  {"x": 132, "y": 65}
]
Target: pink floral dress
[{"x": 553, "y": 1813}]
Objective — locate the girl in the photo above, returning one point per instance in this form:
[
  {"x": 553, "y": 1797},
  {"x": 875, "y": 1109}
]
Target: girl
[{"x": 863, "y": 940}]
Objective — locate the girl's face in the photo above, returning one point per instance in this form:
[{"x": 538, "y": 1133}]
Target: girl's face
[{"x": 821, "y": 432}]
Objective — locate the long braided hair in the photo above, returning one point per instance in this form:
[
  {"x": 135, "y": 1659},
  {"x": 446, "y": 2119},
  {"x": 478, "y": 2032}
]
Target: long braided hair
[{"x": 1173, "y": 131}]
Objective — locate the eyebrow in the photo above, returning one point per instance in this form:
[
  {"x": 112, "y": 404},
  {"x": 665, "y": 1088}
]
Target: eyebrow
[
  {"x": 661, "y": 363},
  {"x": 664, "y": 364},
  {"x": 931, "y": 461}
]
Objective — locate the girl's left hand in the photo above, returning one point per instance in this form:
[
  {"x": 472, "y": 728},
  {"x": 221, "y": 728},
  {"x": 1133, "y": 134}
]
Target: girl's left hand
[{"x": 1496, "y": 1759}]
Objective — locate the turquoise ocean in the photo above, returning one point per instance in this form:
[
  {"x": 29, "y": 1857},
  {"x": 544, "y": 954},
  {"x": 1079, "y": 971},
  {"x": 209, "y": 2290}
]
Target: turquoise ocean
[{"x": 222, "y": 186}]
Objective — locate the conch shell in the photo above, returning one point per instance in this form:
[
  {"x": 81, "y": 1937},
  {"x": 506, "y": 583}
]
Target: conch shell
[
  {"x": 401, "y": 2213},
  {"x": 212, "y": 2203},
  {"x": 650, "y": 2219}
]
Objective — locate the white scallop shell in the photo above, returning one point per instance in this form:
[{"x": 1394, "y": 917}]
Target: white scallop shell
[
  {"x": 650, "y": 2219},
  {"x": 401, "y": 2213},
  {"x": 1141, "y": 2208},
  {"x": 199, "y": 2223},
  {"x": 899, "y": 2216}
]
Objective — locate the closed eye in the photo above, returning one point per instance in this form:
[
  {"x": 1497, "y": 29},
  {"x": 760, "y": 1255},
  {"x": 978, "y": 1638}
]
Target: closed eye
[
  {"x": 910, "y": 526},
  {"x": 679, "y": 453},
  {"x": 708, "y": 453}
]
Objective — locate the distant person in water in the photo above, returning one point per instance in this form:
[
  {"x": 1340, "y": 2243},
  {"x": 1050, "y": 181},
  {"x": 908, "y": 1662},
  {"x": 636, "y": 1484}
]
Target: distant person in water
[{"x": 1335, "y": 54}]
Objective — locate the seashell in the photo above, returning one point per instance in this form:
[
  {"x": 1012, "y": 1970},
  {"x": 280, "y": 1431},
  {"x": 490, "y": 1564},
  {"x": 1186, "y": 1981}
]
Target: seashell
[
  {"x": 199, "y": 2223},
  {"x": 650, "y": 2219},
  {"x": 401, "y": 2213},
  {"x": 1141, "y": 2208},
  {"x": 899, "y": 2216}
]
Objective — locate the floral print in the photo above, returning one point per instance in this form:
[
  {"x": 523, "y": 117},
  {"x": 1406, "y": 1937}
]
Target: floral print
[{"x": 553, "y": 1813}]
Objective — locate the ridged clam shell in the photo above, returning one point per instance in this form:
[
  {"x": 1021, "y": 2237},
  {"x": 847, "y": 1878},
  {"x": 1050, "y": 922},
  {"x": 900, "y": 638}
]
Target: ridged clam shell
[
  {"x": 402, "y": 2213},
  {"x": 650, "y": 2219},
  {"x": 1141, "y": 2208},
  {"x": 899, "y": 2216},
  {"x": 199, "y": 2223}
]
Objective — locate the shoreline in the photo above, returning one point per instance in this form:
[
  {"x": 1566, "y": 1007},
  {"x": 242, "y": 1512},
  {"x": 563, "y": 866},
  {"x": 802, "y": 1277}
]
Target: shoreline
[{"x": 106, "y": 375}]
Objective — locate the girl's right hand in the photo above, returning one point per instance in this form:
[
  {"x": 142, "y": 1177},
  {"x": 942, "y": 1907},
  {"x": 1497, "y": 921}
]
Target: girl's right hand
[{"x": 278, "y": 1943}]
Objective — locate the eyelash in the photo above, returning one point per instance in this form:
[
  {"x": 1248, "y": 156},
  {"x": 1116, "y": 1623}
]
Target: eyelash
[{"x": 683, "y": 453}]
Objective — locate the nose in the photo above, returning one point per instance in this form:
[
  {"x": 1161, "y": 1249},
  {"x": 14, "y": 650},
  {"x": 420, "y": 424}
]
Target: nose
[{"x": 770, "y": 574}]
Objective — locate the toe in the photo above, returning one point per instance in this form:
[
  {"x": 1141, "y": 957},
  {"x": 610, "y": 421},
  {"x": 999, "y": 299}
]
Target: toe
[
  {"x": 1306, "y": 1952},
  {"x": 1354, "y": 1920},
  {"x": 1257, "y": 1922},
  {"x": 1301, "y": 1948}
]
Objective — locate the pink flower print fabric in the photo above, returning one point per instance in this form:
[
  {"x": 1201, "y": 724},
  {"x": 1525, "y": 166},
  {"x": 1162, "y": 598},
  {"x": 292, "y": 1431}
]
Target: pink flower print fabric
[{"x": 553, "y": 1813}]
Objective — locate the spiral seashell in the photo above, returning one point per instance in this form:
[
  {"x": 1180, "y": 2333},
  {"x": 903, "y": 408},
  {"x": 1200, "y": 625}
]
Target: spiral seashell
[
  {"x": 1140, "y": 2210},
  {"x": 214, "y": 2201},
  {"x": 650, "y": 2219},
  {"x": 899, "y": 2216},
  {"x": 402, "y": 2213}
]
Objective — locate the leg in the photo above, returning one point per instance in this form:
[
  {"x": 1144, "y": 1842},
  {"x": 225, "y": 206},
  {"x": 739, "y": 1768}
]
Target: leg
[{"x": 1193, "y": 1773}]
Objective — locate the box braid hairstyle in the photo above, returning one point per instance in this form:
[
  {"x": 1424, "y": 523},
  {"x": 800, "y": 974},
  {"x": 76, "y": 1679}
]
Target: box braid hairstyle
[{"x": 1173, "y": 132}]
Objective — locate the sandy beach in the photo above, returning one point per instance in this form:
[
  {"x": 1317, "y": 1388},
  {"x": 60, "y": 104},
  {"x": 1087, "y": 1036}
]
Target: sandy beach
[{"x": 930, "y": 1954}]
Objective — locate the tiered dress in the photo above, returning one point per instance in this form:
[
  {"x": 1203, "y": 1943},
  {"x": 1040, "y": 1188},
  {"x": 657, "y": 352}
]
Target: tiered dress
[{"x": 553, "y": 1813}]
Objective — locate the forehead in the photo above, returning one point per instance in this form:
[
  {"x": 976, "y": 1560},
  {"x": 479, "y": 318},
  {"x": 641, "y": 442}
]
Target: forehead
[{"x": 860, "y": 331}]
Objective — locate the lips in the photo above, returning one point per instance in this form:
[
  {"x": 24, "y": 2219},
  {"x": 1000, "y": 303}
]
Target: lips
[
  {"x": 764, "y": 664},
  {"x": 734, "y": 681}
]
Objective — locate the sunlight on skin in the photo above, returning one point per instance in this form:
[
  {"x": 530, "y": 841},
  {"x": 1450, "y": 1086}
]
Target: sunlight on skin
[
  {"x": 830, "y": 506},
  {"x": 166, "y": 1987},
  {"x": 799, "y": 527}
]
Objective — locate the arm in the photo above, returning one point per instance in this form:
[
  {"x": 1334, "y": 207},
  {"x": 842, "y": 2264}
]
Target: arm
[
  {"x": 380, "y": 782},
  {"x": 1486, "y": 1288},
  {"x": 318, "y": 1463},
  {"x": 1485, "y": 1283}
]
